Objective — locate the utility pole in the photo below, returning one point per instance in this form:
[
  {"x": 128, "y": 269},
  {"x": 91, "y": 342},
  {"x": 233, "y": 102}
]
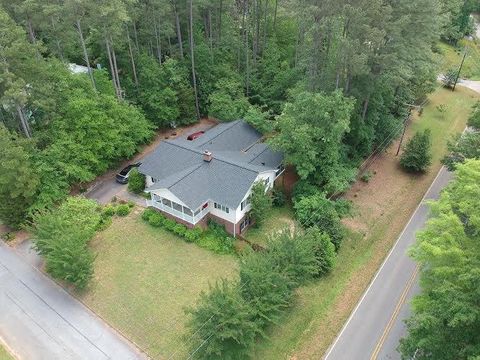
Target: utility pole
[
  {"x": 459, "y": 69},
  {"x": 403, "y": 132}
]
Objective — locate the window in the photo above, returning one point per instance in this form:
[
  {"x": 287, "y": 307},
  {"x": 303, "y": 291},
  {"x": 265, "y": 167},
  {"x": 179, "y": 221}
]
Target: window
[
  {"x": 197, "y": 212},
  {"x": 156, "y": 197},
  {"x": 245, "y": 203},
  {"x": 221, "y": 207},
  {"x": 167, "y": 202},
  {"x": 177, "y": 207},
  {"x": 187, "y": 211}
]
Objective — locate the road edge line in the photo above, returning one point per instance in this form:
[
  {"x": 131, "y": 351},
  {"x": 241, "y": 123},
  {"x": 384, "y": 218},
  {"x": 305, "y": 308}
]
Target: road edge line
[{"x": 332, "y": 346}]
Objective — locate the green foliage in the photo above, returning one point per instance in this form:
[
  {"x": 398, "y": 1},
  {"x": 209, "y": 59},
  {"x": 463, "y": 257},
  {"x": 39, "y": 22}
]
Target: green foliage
[
  {"x": 323, "y": 249},
  {"x": 136, "y": 181},
  {"x": 61, "y": 236},
  {"x": 18, "y": 179},
  {"x": 462, "y": 147},
  {"x": 261, "y": 203},
  {"x": 164, "y": 92},
  {"x": 366, "y": 176},
  {"x": 227, "y": 102},
  {"x": 193, "y": 235},
  {"x": 122, "y": 210},
  {"x": 108, "y": 210},
  {"x": 155, "y": 218},
  {"x": 417, "y": 155},
  {"x": 449, "y": 78},
  {"x": 448, "y": 251},
  {"x": 474, "y": 119},
  {"x": 147, "y": 213},
  {"x": 317, "y": 210},
  {"x": 278, "y": 197},
  {"x": 180, "y": 229},
  {"x": 259, "y": 119},
  {"x": 311, "y": 128},
  {"x": 169, "y": 224},
  {"x": 224, "y": 318}
]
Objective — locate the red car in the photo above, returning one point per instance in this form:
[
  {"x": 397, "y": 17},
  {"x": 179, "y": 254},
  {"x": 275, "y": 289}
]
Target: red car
[{"x": 195, "y": 135}]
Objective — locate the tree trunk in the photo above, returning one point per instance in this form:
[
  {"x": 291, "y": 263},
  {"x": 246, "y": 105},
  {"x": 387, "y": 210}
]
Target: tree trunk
[
  {"x": 132, "y": 59},
  {"x": 192, "y": 55},
  {"x": 85, "y": 54},
  {"x": 112, "y": 69},
  {"x": 220, "y": 22},
  {"x": 157, "y": 39},
  {"x": 265, "y": 27},
  {"x": 23, "y": 121},
  {"x": 179, "y": 31},
  {"x": 115, "y": 67},
  {"x": 57, "y": 42},
  {"x": 247, "y": 66},
  {"x": 275, "y": 17},
  {"x": 135, "y": 35},
  {"x": 365, "y": 107},
  {"x": 210, "y": 35}
]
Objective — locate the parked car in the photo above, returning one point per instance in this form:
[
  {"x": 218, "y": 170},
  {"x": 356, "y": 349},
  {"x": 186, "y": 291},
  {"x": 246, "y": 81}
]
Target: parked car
[
  {"x": 122, "y": 176},
  {"x": 195, "y": 135}
]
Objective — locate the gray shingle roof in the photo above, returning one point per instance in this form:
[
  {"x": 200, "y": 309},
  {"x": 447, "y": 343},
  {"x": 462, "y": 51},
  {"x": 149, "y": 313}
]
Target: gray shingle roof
[{"x": 238, "y": 157}]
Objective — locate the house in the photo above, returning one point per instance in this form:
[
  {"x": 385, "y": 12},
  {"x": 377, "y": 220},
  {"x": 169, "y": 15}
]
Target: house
[{"x": 210, "y": 177}]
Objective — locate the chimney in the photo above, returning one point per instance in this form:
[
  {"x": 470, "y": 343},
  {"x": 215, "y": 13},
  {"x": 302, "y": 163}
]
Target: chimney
[{"x": 207, "y": 156}]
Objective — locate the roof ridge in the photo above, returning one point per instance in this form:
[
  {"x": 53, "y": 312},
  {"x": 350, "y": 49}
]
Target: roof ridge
[
  {"x": 260, "y": 153},
  {"x": 231, "y": 125},
  {"x": 186, "y": 174}
]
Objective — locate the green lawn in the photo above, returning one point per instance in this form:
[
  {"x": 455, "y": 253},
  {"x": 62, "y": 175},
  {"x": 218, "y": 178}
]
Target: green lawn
[
  {"x": 278, "y": 219},
  {"x": 144, "y": 279},
  {"x": 450, "y": 57},
  {"x": 322, "y": 307},
  {"x": 4, "y": 354}
]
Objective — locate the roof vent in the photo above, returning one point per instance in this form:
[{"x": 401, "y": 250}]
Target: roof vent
[{"x": 207, "y": 156}]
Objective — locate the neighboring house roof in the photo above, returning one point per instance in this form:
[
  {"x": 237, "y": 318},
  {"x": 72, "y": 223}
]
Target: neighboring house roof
[{"x": 238, "y": 158}]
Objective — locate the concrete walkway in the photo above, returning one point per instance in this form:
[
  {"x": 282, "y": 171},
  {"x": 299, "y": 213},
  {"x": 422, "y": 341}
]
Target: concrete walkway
[{"x": 41, "y": 321}]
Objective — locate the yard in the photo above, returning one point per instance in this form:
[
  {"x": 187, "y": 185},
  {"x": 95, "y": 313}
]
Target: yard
[
  {"x": 144, "y": 279},
  {"x": 450, "y": 57},
  {"x": 4, "y": 355},
  {"x": 382, "y": 208},
  {"x": 278, "y": 219}
]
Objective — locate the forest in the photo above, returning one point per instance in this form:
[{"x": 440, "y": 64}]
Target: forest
[{"x": 327, "y": 81}]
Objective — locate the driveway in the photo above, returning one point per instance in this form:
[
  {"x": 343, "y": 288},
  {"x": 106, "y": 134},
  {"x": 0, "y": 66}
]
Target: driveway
[
  {"x": 39, "y": 320},
  {"x": 105, "y": 187}
]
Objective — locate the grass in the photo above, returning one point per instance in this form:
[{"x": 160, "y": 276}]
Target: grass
[
  {"x": 144, "y": 279},
  {"x": 382, "y": 208},
  {"x": 278, "y": 219},
  {"x": 450, "y": 57},
  {"x": 4, "y": 354}
]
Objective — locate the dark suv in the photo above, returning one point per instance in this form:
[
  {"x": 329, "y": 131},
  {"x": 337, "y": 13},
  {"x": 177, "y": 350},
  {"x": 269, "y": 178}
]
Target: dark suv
[{"x": 122, "y": 176}]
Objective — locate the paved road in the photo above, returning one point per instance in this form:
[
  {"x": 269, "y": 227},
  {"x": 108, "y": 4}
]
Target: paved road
[
  {"x": 376, "y": 325},
  {"x": 39, "y": 320}
]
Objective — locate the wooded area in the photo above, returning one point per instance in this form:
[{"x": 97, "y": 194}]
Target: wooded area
[{"x": 332, "y": 80}]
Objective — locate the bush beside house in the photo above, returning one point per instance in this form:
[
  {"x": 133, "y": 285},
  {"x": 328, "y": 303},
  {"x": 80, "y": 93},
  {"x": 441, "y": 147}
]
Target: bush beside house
[{"x": 214, "y": 238}]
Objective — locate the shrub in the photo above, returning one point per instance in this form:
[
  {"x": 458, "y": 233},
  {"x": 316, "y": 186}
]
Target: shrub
[
  {"x": 131, "y": 204},
  {"x": 169, "y": 224},
  {"x": 122, "y": 210},
  {"x": 226, "y": 319},
  {"x": 461, "y": 148},
  {"x": 366, "y": 176},
  {"x": 302, "y": 189},
  {"x": 261, "y": 203},
  {"x": 108, "y": 210},
  {"x": 320, "y": 211},
  {"x": 265, "y": 287},
  {"x": 61, "y": 235},
  {"x": 323, "y": 249},
  {"x": 474, "y": 119},
  {"x": 292, "y": 256},
  {"x": 156, "y": 219},
  {"x": 180, "y": 229},
  {"x": 8, "y": 236},
  {"x": 278, "y": 197},
  {"x": 147, "y": 213},
  {"x": 192, "y": 235},
  {"x": 219, "y": 245},
  {"x": 417, "y": 156},
  {"x": 136, "y": 181}
]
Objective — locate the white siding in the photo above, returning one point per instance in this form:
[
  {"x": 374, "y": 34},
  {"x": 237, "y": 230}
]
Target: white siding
[
  {"x": 167, "y": 194},
  {"x": 148, "y": 181}
]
